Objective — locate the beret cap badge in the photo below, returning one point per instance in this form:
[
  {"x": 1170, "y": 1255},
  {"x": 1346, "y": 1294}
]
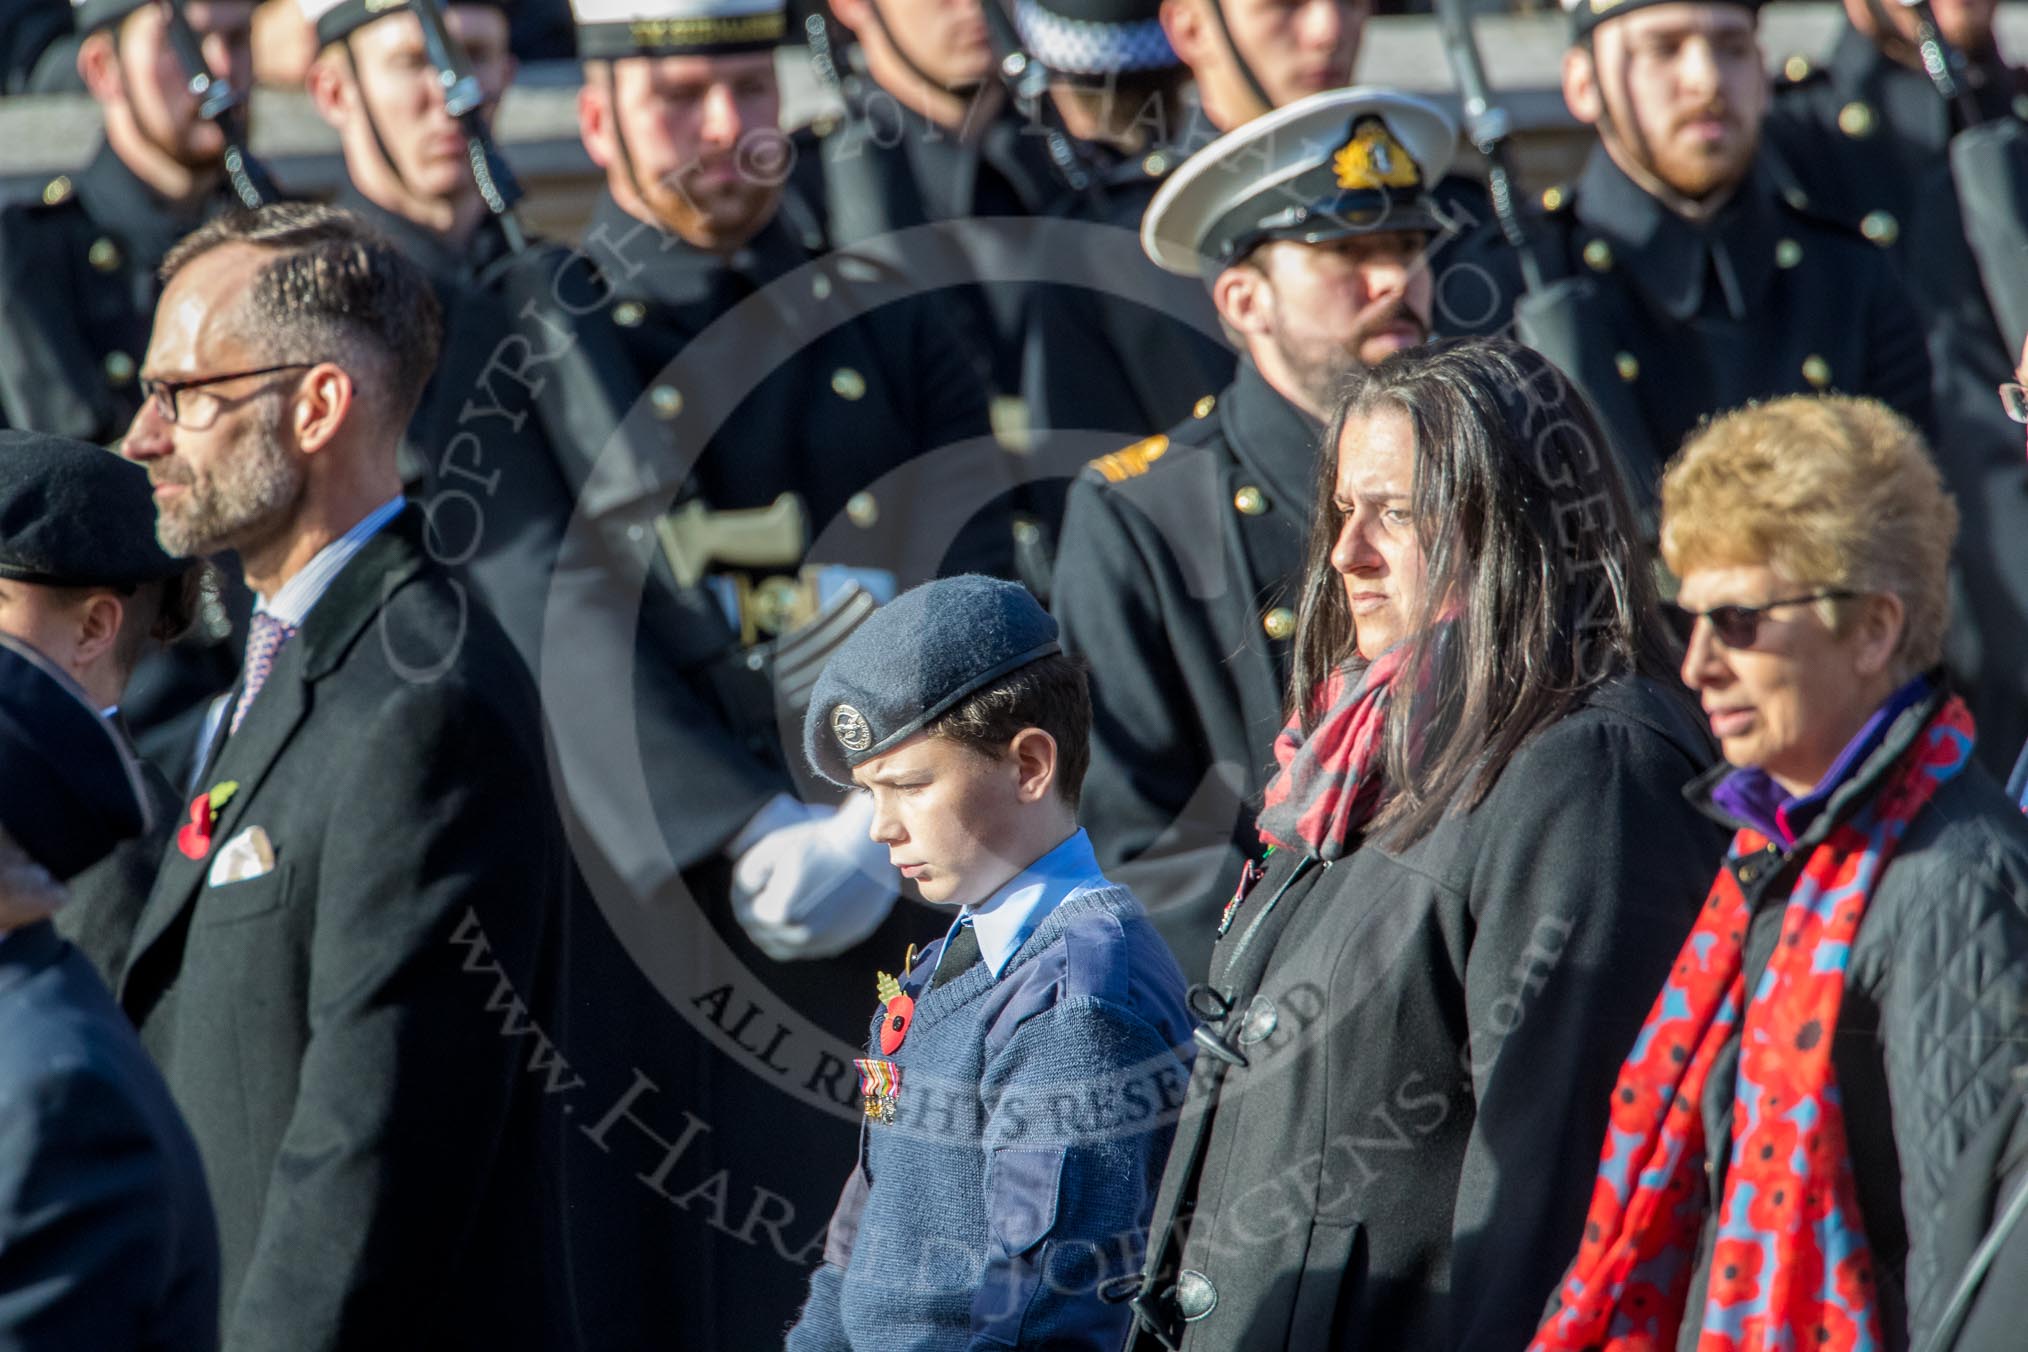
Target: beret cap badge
[{"x": 851, "y": 729}]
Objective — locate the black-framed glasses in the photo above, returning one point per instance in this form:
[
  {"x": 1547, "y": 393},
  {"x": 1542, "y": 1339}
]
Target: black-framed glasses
[
  {"x": 163, "y": 393},
  {"x": 2014, "y": 398},
  {"x": 1739, "y": 626}
]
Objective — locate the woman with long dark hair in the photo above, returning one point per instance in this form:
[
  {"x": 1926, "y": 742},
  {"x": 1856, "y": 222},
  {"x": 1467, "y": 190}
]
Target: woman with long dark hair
[{"x": 1480, "y": 866}]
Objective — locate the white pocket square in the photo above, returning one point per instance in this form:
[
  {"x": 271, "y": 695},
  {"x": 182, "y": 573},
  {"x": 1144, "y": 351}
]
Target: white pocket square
[{"x": 247, "y": 855}]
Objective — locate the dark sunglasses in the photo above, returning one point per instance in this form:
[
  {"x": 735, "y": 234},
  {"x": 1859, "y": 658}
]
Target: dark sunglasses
[
  {"x": 2014, "y": 398},
  {"x": 1739, "y": 626}
]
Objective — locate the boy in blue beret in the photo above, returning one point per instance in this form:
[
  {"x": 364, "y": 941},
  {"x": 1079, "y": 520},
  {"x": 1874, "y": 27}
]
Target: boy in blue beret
[{"x": 1023, "y": 1076}]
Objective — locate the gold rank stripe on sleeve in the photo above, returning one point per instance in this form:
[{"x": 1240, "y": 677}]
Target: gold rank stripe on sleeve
[{"x": 1133, "y": 461}]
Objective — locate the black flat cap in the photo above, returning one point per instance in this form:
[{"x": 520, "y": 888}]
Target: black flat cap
[
  {"x": 1586, "y": 15},
  {"x": 914, "y": 660},
  {"x": 76, "y": 515},
  {"x": 69, "y": 788}
]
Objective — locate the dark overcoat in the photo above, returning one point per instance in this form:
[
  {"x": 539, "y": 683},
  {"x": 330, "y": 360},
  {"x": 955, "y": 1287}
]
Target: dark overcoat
[
  {"x": 1401, "y": 1153},
  {"x": 336, "y": 1029},
  {"x": 106, "y": 1233}
]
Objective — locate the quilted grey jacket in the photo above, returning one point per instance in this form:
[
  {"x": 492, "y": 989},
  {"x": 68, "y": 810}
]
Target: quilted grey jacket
[{"x": 1935, "y": 1015}]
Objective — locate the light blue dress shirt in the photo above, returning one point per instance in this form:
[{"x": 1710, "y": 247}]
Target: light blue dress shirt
[{"x": 1003, "y": 921}]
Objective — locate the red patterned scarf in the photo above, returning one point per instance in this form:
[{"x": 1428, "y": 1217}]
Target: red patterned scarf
[
  {"x": 1790, "y": 1267},
  {"x": 1329, "y": 784}
]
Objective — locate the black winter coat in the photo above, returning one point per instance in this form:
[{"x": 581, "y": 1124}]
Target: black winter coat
[{"x": 1430, "y": 1038}]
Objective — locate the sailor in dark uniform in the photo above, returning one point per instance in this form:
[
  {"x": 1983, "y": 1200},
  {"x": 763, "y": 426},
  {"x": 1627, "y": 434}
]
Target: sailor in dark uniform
[
  {"x": 1113, "y": 347},
  {"x": 929, "y": 134},
  {"x": 407, "y": 171},
  {"x": 1870, "y": 138},
  {"x": 1179, "y": 552},
  {"x": 77, "y": 267},
  {"x": 754, "y": 440},
  {"x": 1694, "y": 272}
]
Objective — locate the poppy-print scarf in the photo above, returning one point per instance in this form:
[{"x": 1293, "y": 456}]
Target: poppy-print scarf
[{"x": 1790, "y": 1267}]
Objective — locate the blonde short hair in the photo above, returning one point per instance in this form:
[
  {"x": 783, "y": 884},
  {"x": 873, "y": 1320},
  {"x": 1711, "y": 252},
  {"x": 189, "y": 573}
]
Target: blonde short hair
[{"x": 1830, "y": 491}]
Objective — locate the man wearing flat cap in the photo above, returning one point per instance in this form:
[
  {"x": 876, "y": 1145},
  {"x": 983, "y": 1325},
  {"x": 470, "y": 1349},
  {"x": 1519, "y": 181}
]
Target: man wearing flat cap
[
  {"x": 83, "y": 581},
  {"x": 1179, "y": 555},
  {"x": 107, "y": 1239},
  {"x": 1686, "y": 257},
  {"x": 975, "y": 1216},
  {"x": 77, "y": 264}
]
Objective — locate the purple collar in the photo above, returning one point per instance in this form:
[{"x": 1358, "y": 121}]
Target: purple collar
[{"x": 1752, "y": 795}]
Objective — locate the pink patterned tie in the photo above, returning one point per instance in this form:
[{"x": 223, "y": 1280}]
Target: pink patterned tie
[{"x": 263, "y": 641}]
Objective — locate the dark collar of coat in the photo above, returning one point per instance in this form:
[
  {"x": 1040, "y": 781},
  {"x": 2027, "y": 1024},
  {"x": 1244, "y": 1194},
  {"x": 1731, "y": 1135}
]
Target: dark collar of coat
[
  {"x": 644, "y": 262},
  {"x": 1671, "y": 259},
  {"x": 448, "y": 265},
  {"x": 26, "y": 951},
  {"x": 125, "y": 207},
  {"x": 1272, "y": 438},
  {"x": 1858, "y": 787}
]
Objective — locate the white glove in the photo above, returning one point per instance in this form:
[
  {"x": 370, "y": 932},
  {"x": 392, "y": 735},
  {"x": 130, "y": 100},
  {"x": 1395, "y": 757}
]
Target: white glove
[{"x": 815, "y": 887}]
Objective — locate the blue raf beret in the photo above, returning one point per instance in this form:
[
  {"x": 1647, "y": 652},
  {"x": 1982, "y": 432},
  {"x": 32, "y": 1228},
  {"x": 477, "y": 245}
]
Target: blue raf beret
[
  {"x": 69, "y": 788},
  {"x": 73, "y": 514},
  {"x": 913, "y": 661}
]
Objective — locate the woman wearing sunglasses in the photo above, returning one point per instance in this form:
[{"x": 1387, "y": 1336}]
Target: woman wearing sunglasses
[
  {"x": 1481, "y": 867},
  {"x": 1854, "y": 997}
]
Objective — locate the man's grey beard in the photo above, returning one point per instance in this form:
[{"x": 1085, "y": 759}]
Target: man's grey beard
[{"x": 254, "y": 485}]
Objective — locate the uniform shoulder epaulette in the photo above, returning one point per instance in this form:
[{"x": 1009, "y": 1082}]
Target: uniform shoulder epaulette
[{"x": 1132, "y": 462}]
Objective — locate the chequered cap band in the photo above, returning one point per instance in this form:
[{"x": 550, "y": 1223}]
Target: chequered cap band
[{"x": 1080, "y": 47}]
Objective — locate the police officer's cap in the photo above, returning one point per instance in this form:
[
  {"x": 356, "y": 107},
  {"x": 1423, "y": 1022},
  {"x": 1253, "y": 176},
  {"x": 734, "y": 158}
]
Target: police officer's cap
[
  {"x": 76, "y": 515},
  {"x": 1094, "y": 38},
  {"x": 914, "y": 660},
  {"x": 1587, "y": 15},
  {"x": 69, "y": 788},
  {"x": 1343, "y": 162},
  {"x": 609, "y": 29},
  {"x": 337, "y": 19}
]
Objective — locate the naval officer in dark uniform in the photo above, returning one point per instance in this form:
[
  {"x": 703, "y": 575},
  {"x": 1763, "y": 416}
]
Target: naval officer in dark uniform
[
  {"x": 1113, "y": 348},
  {"x": 1696, "y": 271},
  {"x": 1870, "y": 138},
  {"x": 77, "y": 267},
  {"x": 1175, "y": 576},
  {"x": 755, "y": 439}
]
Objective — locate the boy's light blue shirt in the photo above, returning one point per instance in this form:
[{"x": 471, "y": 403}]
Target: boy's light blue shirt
[{"x": 1003, "y": 921}]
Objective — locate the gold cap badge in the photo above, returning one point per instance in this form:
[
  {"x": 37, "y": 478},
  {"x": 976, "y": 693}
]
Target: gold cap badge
[{"x": 1373, "y": 159}]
